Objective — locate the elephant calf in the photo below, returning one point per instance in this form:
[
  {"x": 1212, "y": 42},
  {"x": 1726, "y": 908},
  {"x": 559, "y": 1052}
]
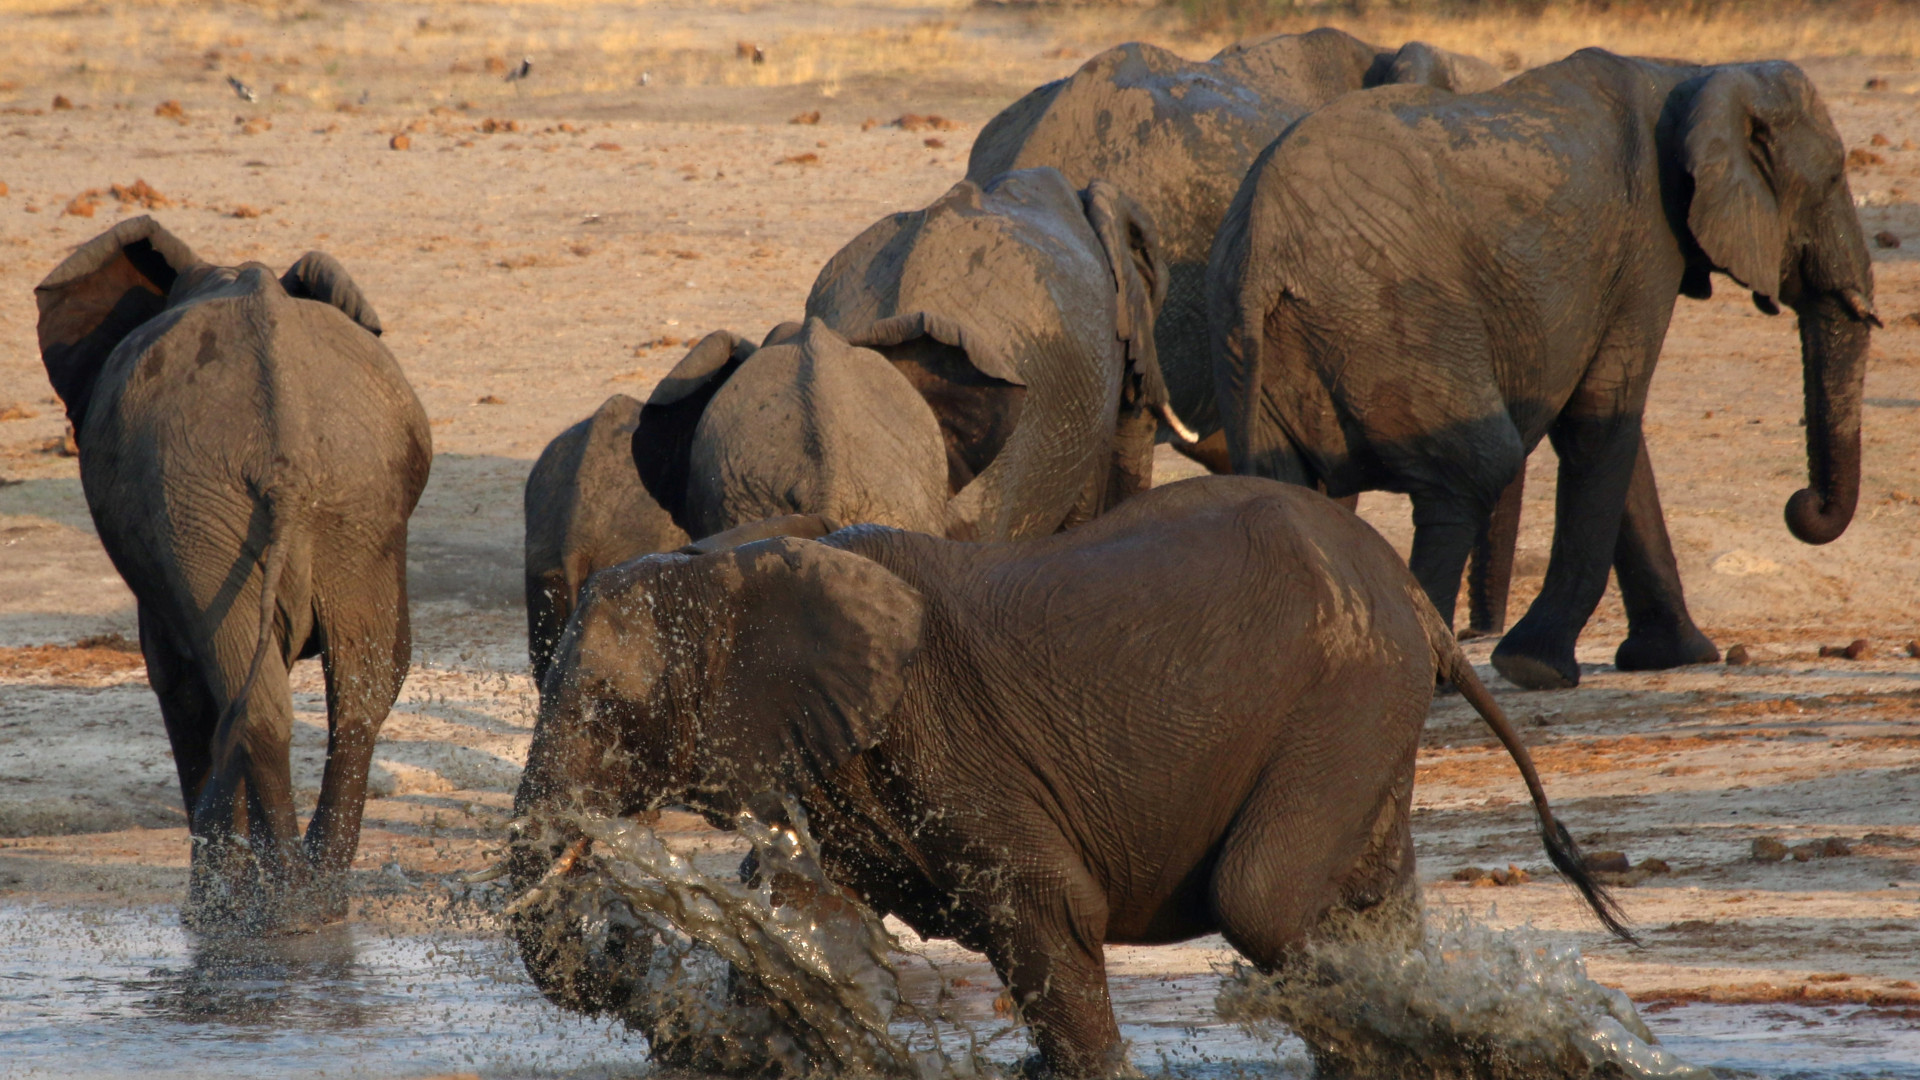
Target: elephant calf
[
  {"x": 250, "y": 453},
  {"x": 585, "y": 510},
  {"x": 1196, "y": 713}
]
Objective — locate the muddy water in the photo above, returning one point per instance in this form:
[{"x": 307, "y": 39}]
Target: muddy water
[{"x": 125, "y": 992}]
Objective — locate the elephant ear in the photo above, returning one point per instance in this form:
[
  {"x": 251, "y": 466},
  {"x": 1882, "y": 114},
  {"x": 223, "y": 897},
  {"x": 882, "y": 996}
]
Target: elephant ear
[
  {"x": 99, "y": 295},
  {"x": 1140, "y": 277},
  {"x": 1728, "y": 135},
  {"x": 319, "y": 276},
  {"x": 819, "y": 645},
  {"x": 663, "y": 440}
]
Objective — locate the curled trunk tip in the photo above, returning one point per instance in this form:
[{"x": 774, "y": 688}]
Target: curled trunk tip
[{"x": 1816, "y": 520}]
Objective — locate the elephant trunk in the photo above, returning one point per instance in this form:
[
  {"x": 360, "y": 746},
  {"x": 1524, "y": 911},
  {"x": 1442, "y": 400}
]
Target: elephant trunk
[
  {"x": 584, "y": 950},
  {"x": 1833, "y": 351}
]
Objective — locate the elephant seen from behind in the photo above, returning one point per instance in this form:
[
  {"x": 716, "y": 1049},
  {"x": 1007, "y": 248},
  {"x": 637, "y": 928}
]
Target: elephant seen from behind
[
  {"x": 1412, "y": 288},
  {"x": 585, "y": 510},
  {"x": 1197, "y": 713},
  {"x": 250, "y": 454}
]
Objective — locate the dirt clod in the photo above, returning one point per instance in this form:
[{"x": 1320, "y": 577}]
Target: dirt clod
[
  {"x": 609, "y": 146},
  {"x": 1913, "y": 649},
  {"x": 1738, "y": 656},
  {"x": 171, "y": 110},
  {"x": 1886, "y": 239},
  {"x": 812, "y": 117},
  {"x": 934, "y": 144},
  {"x": 399, "y": 142},
  {"x": 929, "y": 122},
  {"x": 1860, "y": 158},
  {"x": 491, "y": 399},
  {"x": 1611, "y": 862},
  {"x": 808, "y": 158},
  {"x": 60, "y": 101},
  {"x": 1879, "y": 140},
  {"x": 1830, "y": 848},
  {"x": 1876, "y": 83},
  {"x": 17, "y": 411},
  {"x": 1768, "y": 849}
]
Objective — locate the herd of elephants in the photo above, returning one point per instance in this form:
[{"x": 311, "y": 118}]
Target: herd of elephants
[{"x": 903, "y": 561}]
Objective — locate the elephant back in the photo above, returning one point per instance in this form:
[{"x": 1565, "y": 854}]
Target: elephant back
[
  {"x": 1008, "y": 289},
  {"x": 816, "y": 426}
]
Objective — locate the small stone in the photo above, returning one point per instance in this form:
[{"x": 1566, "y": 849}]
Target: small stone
[
  {"x": 60, "y": 101},
  {"x": 491, "y": 399},
  {"x": 399, "y": 142},
  {"x": 812, "y": 117},
  {"x": 171, "y": 110},
  {"x": 1859, "y": 158},
  {"x": 1876, "y": 83},
  {"x": 1612, "y": 862},
  {"x": 934, "y": 144},
  {"x": 1853, "y": 650},
  {"x": 1768, "y": 849},
  {"x": 1738, "y": 656},
  {"x": 1654, "y": 866},
  {"x": 1469, "y": 874},
  {"x": 1886, "y": 239}
]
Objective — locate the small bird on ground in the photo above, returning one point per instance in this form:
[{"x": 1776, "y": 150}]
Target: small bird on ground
[
  {"x": 242, "y": 90},
  {"x": 519, "y": 73}
]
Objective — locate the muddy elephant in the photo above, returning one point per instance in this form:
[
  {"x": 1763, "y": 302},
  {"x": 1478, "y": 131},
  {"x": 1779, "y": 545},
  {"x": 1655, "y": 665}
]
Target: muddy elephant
[
  {"x": 1178, "y": 135},
  {"x": 1198, "y": 713},
  {"x": 585, "y": 510},
  {"x": 1411, "y": 289},
  {"x": 980, "y": 368},
  {"x": 250, "y": 453}
]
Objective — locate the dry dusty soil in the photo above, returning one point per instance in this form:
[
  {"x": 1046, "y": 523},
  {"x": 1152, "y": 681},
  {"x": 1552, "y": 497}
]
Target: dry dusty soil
[{"x": 535, "y": 249}]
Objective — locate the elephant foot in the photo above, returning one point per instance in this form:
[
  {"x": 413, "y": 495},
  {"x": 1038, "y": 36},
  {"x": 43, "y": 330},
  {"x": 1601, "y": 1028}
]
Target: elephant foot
[
  {"x": 1657, "y": 652},
  {"x": 1535, "y": 666}
]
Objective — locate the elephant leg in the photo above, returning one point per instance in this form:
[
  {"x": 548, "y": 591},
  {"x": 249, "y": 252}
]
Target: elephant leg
[
  {"x": 1596, "y": 441},
  {"x": 186, "y": 709},
  {"x": 1132, "y": 469},
  {"x": 1051, "y": 958},
  {"x": 248, "y": 790},
  {"x": 1445, "y": 526},
  {"x": 369, "y": 646},
  {"x": 1660, "y": 631},
  {"x": 1492, "y": 568}
]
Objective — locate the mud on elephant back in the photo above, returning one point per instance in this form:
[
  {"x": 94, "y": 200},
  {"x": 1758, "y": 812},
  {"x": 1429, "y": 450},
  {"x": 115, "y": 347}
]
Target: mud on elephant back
[
  {"x": 250, "y": 453},
  {"x": 1507, "y": 273},
  {"x": 1177, "y": 136},
  {"x": 1254, "y": 780}
]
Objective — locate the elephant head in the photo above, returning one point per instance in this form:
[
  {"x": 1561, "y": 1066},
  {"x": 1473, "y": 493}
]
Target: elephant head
[
  {"x": 804, "y": 424},
  {"x": 113, "y": 284},
  {"x": 1765, "y": 200},
  {"x": 703, "y": 680},
  {"x": 1023, "y": 310}
]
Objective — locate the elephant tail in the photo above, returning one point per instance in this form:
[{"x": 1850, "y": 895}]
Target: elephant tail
[
  {"x": 273, "y": 562},
  {"x": 1561, "y": 849}
]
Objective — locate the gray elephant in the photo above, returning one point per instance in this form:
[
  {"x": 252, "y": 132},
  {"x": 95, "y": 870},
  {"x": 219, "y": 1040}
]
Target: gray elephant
[
  {"x": 980, "y": 368},
  {"x": 806, "y": 423},
  {"x": 585, "y": 510},
  {"x": 1178, "y": 135},
  {"x": 1412, "y": 289},
  {"x": 1197, "y": 713},
  {"x": 250, "y": 453}
]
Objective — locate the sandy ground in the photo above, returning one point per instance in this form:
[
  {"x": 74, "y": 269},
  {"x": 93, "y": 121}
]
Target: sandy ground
[{"x": 561, "y": 257}]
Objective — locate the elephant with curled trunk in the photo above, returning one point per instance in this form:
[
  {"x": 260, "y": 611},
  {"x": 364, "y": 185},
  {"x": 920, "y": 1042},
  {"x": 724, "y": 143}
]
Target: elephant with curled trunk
[
  {"x": 983, "y": 367},
  {"x": 1198, "y": 713},
  {"x": 1412, "y": 289},
  {"x": 1178, "y": 135},
  {"x": 250, "y": 453}
]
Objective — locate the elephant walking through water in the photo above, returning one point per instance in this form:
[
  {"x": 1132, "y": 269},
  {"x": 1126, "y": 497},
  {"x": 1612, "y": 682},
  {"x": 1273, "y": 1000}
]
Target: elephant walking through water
[
  {"x": 1411, "y": 289},
  {"x": 250, "y": 453},
  {"x": 1196, "y": 713}
]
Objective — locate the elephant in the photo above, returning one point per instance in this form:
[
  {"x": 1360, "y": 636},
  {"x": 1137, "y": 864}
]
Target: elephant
[
  {"x": 981, "y": 368},
  {"x": 1178, "y": 135},
  {"x": 806, "y": 423},
  {"x": 250, "y": 453},
  {"x": 1412, "y": 288},
  {"x": 585, "y": 510},
  {"x": 1196, "y": 713}
]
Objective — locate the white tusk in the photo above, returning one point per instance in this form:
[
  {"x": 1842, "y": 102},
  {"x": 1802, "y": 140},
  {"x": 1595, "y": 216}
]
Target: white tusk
[{"x": 1172, "y": 420}]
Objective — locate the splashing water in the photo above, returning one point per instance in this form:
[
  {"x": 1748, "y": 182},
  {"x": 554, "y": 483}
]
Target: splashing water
[
  {"x": 790, "y": 977},
  {"x": 1396, "y": 994}
]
